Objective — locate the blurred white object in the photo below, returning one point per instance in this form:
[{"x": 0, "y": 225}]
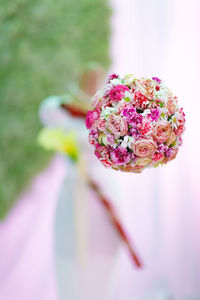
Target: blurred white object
[
  {"x": 75, "y": 277},
  {"x": 53, "y": 115}
]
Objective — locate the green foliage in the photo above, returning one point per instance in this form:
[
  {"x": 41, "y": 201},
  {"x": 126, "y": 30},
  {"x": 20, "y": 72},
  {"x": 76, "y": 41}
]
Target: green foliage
[{"x": 44, "y": 45}]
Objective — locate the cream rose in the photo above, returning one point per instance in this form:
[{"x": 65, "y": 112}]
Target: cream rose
[
  {"x": 174, "y": 153},
  {"x": 117, "y": 125},
  {"x": 134, "y": 169},
  {"x": 102, "y": 138},
  {"x": 96, "y": 100},
  {"x": 144, "y": 147},
  {"x": 143, "y": 161},
  {"x": 147, "y": 87},
  {"x": 162, "y": 131},
  {"x": 171, "y": 139},
  {"x": 172, "y": 105}
]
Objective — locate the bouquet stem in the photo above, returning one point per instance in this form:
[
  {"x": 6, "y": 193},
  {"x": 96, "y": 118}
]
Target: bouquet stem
[{"x": 116, "y": 221}]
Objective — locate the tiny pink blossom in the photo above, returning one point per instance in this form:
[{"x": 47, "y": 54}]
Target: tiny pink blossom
[
  {"x": 154, "y": 114},
  {"x": 102, "y": 152},
  {"x": 181, "y": 119},
  {"x": 101, "y": 124},
  {"x": 132, "y": 116},
  {"x": 110, "y": 138},
  {"x": 141, "y": 100},
  {"x": 157, "y": 156},
  {"x": 156, "y": 79},
  {"x": 93, "y": 137},
  {"x": 106, "y": 163},
  {"x": 112, "y": 76},
  {"x": 171, "y": 153},
  {"x": 120, "y": 156},
  {"x": 144, "y": 127}
]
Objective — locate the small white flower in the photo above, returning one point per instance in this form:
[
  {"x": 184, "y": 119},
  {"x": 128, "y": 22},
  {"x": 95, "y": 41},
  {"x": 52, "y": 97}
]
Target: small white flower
[
  {"x": 128, "y": 95},
  {"x": 131, "y": 141},
  {"x": 146, "y": 112},
  {"x": 128, "y": 79},
  {"x": 127, "y": 141},
  {"x": 106, "y": 88},
  {"x": 116, "y": 81},
  {"x": 99, "y": 94},
  {"x": 163, "y": 113},
  {"x": 115, "y": 104},
  {"x": 104, "y": 140},
  {"x": 175, "y": 120},
  {"x": 179, "y": 142},
  {"x": 140, "y": 87},
  {"x": 106, "y": 111},
  {"x": 124, "y": 144},
  {"x": 115, "y": 145},
  {"x": 163, "y": 93}
]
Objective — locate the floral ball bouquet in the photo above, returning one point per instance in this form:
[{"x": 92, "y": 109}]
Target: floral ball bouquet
[{"x": 135, "y": 123}]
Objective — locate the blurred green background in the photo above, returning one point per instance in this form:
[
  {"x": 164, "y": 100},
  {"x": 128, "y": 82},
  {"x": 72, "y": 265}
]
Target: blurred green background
[{"x": 44, "y": 45}]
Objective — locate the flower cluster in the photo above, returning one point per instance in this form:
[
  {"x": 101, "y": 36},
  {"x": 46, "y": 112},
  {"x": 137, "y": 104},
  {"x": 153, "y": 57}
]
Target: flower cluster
[{"x": 135, "y": 123}]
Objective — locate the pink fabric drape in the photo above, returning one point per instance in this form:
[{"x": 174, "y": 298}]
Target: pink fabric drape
[{"x": 161, "y": 207}]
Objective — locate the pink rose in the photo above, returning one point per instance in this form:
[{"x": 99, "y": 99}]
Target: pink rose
[
  {"x": 172, "y": 105},
  {"x": 92, "y": 115},
  {"x": 117, "y": 125},
  {"x": 162, "y": 131},
  {"x": 117, "y": 92},
  {"x": 144, "y": 147}
]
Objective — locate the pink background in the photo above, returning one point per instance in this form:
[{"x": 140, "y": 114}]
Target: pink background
[{"x": 161, "y": 207}]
